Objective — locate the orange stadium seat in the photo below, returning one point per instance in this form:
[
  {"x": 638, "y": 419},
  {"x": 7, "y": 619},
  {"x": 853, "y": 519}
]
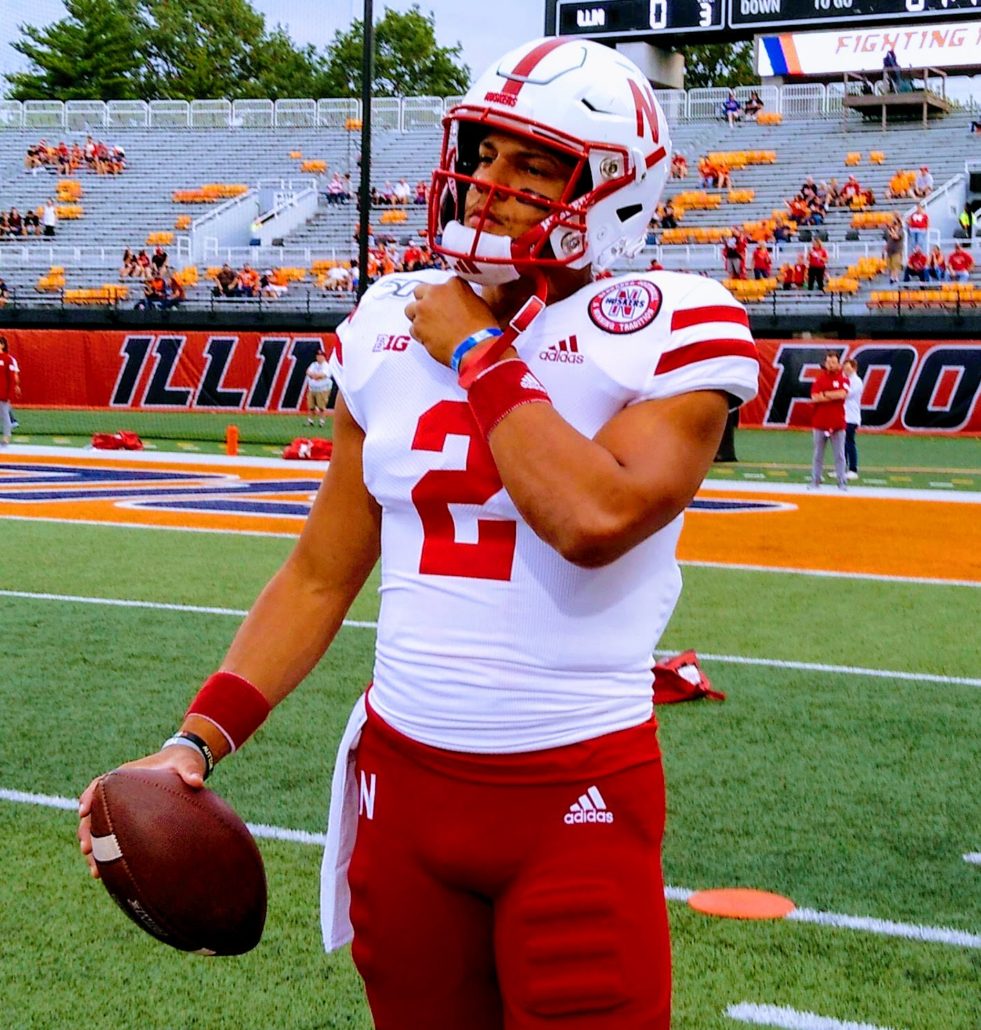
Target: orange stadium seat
[
  {"x": 853, "y": 157},
  {"x": 877, "y": 157},
  {"x": 183, "y": 222}
]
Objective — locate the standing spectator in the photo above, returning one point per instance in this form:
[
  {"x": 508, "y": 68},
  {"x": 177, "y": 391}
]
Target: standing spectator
[
  {"x": 49, "y": 217},
  {"x": 960, "y": 264},
  {"x": 828, "y": 392},
  {"x": 916, "y": 265},
  {"x": 890, "y": 67},
  {"x": 817, "y": 262},
  {"x": 853, "y": 414},
  {"x": 762, "y": 261},
  {"x": 917, "y": 225},
  {"x": 923, "y": 186},
  {"x": 732, "y": 109},
  {"x": 9, "y": 389},
  {"x": 965, "y": 222},
  {"x": 893, "y": 247},
  {"x": 319, "y": 382},
  {"x": 734, "y": 254},
  {"x": 937, "y": 268},
  {"x": 679, "y": 165}
]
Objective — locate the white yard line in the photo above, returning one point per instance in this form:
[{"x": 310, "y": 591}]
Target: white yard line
[
  {"x": 828, "y": 574},
  {"x": 727, "y": 659},
  {"x": 790, "y": 1019},
  {"x": 931, "y": 934}
]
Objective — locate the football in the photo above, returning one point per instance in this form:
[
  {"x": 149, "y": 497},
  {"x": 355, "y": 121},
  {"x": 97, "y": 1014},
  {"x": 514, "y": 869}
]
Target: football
[{"x": 178, "y": 861}]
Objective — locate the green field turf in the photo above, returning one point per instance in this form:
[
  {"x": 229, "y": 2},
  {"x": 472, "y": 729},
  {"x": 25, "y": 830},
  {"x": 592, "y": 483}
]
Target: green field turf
[{"x": 852, "y": 794}]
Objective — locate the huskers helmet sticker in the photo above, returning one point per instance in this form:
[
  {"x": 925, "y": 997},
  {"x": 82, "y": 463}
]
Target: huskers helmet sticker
[{"x": 626, "y": 307}]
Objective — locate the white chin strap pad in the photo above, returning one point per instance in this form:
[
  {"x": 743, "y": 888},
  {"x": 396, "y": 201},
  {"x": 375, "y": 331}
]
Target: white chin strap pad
[{"x": 459, "y": 239}]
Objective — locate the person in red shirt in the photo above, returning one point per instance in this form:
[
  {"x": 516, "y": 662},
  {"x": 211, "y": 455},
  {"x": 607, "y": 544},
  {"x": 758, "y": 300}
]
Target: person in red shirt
[
  {"x": 916, "y": 266},
  {"x": 917, "y": 225},
  {"x": 9, "y": 388},
  {"x": 762, "y": 261},
  {"x": 828, "y": 392},
  {"x": 817, "y": 262},
  {"x": 960, "y": 263}
]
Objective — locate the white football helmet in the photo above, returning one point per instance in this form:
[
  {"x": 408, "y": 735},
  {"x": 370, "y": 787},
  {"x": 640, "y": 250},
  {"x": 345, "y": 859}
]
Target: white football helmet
[{"x": 593, "y": 106}]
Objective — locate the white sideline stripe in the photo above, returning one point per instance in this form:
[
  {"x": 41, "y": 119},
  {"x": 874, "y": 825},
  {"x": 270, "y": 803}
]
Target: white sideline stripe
[
  {"x": 828, "y": 574},
  {"x": 791, "y": 1019},
  {"x": 848, "y": 670},
  {"x": 256, "y": 829},
  {"x": 729, "y": 659},
  {"x": 936, "y": 935},
  {"x": 974, "y": 857}
]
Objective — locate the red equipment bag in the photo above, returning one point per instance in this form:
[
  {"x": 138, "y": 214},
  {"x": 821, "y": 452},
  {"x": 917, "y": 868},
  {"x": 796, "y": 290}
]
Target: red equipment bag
[
  {"x": 304, "y": 449},
  {"x": 121, "y": 441}
]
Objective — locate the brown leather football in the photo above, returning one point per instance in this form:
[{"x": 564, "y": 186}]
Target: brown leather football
[{"x": 178, "y": 861}]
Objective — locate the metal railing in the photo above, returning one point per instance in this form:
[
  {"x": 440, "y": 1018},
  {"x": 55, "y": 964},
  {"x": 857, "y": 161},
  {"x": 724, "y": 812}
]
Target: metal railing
[{"x": 393, "y": 114}]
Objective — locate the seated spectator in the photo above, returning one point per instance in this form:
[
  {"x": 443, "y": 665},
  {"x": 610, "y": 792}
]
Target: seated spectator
[
  {"x": 707, "y": 172},
  {"x": 4, "y": 292},
  {"x": 35, "y": 156},
  {"x": 159, "y": 261},
  {"x": 143, "y": 267},
  {"x": 248, "y": 281},
  {"x": 335, "y": 190},
  {"x": 679, "y": 166},
  {"x": 402, "y": 193},
  {"x": 975, "y": 128},
  {"x": 834, "y": 194},
  {"x": 937, "y": 268},
  {"x": 669, "y": 220},
  {"x": 782, "y": 233},
  {"x": 923, "y": 186},
  {"x": 960, "y": 263},
  {"x": 129, "y": 266},
  {"x": 916, "y": 265},
  {"x": 421, "y": 193},
  {"x": 723, "y": 177},
  {"x": 753, "y": 106},
  {"x": 732, "y": 110},
  {"x": 655, "y": 266},
  {"x": 154, "y": 294},
  {"x": 412, "y": 258},
  {"x": 15, "y": 222},
  {"x": 176, "y": 291},
  {"x": 338, "y": 279},
  {"x": 808, "y": 190},
  {"x": 32, "y": 223},
  {"x": 799, "y": 210},
  {"x": 4, "y": 225},
  {"x": 268, "y": 287},
  {"x": 762, "y": 261},
  {"x": 850, "y": 190},
  {"x": 226, "y": 282},
  {"x": 816, "y": 213}
]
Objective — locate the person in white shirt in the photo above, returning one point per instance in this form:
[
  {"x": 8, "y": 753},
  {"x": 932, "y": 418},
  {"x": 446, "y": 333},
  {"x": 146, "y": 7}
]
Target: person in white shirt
[
  {"x": 319, "y": 382},
  {"x": 517, "y": 440},
  {"x": 853, "y": 415},
  {"x": 49, "y": 218}
]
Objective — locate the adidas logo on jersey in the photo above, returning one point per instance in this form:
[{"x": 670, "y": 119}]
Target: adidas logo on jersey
[
  {"x": 565, "y": 352},
  {"x": 590, "y": 808}
]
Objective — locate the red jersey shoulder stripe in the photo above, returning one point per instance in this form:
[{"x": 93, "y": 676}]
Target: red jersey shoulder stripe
[
  {"x": 705, "y": 350},
  {"x": 687, "y": 317}
]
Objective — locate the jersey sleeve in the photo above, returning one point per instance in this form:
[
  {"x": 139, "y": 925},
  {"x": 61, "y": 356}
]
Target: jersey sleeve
[
  {"x": 347, "y": 336},
  {"x": 709, "y": 347}
]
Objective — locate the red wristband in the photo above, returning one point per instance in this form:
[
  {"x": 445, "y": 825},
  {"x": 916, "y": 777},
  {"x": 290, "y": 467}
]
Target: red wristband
[
  {"x": 232, "y": 704},
  {"x": 496, "y": 392}
]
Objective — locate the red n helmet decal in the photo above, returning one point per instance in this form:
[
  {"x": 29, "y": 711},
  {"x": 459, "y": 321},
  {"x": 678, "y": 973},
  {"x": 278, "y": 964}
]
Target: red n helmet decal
[{"x": 644, "y": 104}]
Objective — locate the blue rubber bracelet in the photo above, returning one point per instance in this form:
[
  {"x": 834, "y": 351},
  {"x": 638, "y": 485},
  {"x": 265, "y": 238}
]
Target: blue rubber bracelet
[{"x": 469, "y": 343}]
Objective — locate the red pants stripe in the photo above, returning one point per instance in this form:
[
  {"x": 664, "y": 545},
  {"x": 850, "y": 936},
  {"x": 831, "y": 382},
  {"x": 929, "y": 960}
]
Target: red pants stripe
[{"x": 511, "y": 891}]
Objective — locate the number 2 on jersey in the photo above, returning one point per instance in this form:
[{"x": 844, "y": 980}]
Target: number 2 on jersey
[{"x": 492, "y": 556}]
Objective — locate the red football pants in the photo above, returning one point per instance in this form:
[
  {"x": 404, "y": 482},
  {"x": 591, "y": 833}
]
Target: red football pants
[{"x": 511, "y": 891}]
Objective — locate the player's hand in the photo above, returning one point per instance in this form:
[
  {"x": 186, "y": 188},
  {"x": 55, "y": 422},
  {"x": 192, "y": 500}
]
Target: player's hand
[
  {"x": 185, "y": 761},
  {"x": 442, "y": 316}
]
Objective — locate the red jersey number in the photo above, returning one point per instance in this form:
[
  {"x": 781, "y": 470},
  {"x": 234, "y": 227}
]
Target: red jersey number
[{"x": 492, "y": 556}]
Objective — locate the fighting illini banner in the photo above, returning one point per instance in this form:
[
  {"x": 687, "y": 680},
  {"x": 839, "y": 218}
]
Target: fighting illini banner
[{"x": 919, "y": 386}]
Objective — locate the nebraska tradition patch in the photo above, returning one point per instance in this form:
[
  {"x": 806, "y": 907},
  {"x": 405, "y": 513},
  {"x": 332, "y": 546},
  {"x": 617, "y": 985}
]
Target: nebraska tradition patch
[{"x": 626, "y": 307}]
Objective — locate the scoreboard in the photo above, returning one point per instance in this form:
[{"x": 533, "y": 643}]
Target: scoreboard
[
  {"x": 648, "y": 19},
  {"x": 829, "y": 13},
  {"x": 626, "y": 19}
]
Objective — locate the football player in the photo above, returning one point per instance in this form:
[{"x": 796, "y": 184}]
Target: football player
[{"x": 517, "y": 439}]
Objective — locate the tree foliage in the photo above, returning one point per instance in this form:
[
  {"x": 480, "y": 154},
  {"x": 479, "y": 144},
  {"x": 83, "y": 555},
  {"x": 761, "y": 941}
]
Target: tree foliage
[
  {"x": 719, "y": 64},
  {"x": 94, "y": 52},
  {"x": 408, "y": 60},
  {"x": 185, "y": 49}
]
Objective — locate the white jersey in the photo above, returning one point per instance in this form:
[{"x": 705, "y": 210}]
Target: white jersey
[
  {"x": 488, "y": 639},
  {"x": 853, "y": 400},
  {"x": 318, "y": 377}
]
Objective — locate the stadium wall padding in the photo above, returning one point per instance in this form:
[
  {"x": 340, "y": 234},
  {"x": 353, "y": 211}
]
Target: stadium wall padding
[{"x": 915, "y": 386}]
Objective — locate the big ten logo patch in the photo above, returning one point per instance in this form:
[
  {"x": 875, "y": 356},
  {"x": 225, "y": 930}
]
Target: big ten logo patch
[{"x": 386, "y": 341}]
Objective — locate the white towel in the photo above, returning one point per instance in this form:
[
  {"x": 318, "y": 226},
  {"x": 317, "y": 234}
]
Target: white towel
[{"x": 342, "y": 828}]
